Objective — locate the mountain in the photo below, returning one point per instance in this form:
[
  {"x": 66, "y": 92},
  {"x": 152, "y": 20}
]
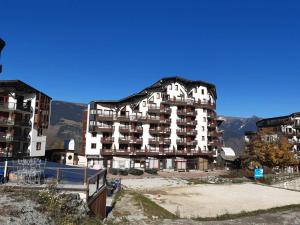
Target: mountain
[
  {"x": 66, "y": 123},
  {"x": 234, "y": 131}
]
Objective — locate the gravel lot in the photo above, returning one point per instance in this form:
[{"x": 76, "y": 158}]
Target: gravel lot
[
  {"x": 213, "y": 200},
  {"x": 153, "y": 183}
]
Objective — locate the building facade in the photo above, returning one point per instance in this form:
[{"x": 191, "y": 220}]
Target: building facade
[
  {"x": 24, "y": 117},
  {"x": 2, "y": 44},
  {"x": 288, "y": 126},
  {"x": 169, "y": 124}
]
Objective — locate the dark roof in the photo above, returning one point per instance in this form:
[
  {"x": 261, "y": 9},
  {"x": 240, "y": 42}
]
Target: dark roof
[
  {"x": 275, "y": 121},
  {"x": 2, "y": 44},
  {"x": 159, "y": 85},
  {"x": 19, "y": 86}
]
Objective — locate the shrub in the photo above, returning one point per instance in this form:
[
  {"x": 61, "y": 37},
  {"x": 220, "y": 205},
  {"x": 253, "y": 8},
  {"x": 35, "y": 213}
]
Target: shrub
[
  {"x": 151, "y": 171},
  {"x": 135, "y": 172}
]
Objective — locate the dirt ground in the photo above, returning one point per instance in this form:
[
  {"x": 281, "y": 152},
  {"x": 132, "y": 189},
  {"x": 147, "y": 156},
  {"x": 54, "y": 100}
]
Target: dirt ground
[
  {"x": 215, "y": 200},
  {"x": 128, "y": 212}
]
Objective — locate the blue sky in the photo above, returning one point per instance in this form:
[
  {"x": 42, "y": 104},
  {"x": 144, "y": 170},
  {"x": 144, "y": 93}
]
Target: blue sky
[{"x": 83, "y": 50}]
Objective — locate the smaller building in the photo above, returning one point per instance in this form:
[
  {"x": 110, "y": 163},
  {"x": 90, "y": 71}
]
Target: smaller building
[
  {"x": 226, "y": 158},
  {"x": 287, "y": 126}
]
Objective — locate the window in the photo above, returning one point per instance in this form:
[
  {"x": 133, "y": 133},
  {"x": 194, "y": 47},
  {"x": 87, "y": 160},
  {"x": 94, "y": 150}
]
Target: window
[
  {"x": 202, "y": 91},
  {"x": 144, "y": 103},
  {"x": 195, "y": 90},
  {"x": 203, "y": 138},
  {"x": 93, "y": 145},
  {"x": 93, "y": 111},
  {"x": 170, "y": 87},
  {"x": 204, "y": 110},
  {"x": 94, "y": 134},
  {"x": 158, "y": 96},
  {"x": 203, "y": 128},
  {"x": 204, "y": 119},
  {"x": 204, "y": 148},
  {"x": 176, "y": 87},
  {"x": 38, "y": 146}
]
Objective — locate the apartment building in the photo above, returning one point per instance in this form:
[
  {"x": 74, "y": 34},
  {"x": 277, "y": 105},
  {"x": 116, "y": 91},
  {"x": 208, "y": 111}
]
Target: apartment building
[
  {"x": 169, "y": 125},
  {"x": 24, "y": 117},
  {"x": 288, "y": 126},
  {"x": 2, "y": 44}
]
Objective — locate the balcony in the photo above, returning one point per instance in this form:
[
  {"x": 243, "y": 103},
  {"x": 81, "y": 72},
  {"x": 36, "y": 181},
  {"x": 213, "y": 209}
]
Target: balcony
[
  {"x": 138, "y": 130},
  {"x": 8, "y": 122},
  {"x": 11, "y": 106},
  {"x": 158, "y": 110},
  {"x": 181, "y": 122},
  {"x": 185, "y": 112},
  {"x": 123, "y": 140},
  {"x": 6, "y": 137},
  {"x": 124, "y": 118},
  {"x": 181, "y": 132},
  {"x": 181, "y": 142},
  {"x": 123, "y": 129},
  {"x": 159, "y": 141},
  {"x": 191, "y": 143},
  {"x": 191, "y": 123},
  {"x": 107, "y": 129},
  {"x": 165, "y": 121},
  {"x": 191, "y": 132},
  {"x": 136, "y": 141},
  {"x": 106, "y": 117},
  {"x": 160, "y": 131},
  {"x": 107, "y": 140}
]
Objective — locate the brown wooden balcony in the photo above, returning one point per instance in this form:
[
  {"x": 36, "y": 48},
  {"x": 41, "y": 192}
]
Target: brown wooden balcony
[
  {"x": 125, "y": 118},
  {"x": 124, "y": 140},
  {"x": 185, "y": 112},
  {"x": 124, "y": 129},
  {"x": 138, "y": 130},
  {"x": 165, "y": 121},
  {"x": 181, "y": 122},
  {"x": 158, "y": 109},
  {"x": 136, "y": 140},
  {"x": 181, "y": 142},
  {"x": 191, "y": 123},
  {"x": 160, "y": 131},
  {"x": 181, "y": 132},
  {"x": 191, "y": 132},
  {"x": 191, "y": 143},
  {"x": 108, "y": 129},
  {"x": 159, "y": 141},
  {"x": 106, "y": 117},
  {"x": 205, "y": 104},
  {"x": 107, "y": 140}
]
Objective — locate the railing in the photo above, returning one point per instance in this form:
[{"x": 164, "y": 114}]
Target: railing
[{"x": 15, "y": 106}]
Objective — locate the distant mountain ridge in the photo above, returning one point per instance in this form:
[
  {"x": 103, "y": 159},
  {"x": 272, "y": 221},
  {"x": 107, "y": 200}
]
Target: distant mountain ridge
[{"x": 66, "y": 123}]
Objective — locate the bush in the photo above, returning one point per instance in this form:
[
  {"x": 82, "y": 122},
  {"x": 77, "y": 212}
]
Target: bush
[
  {"x": 135, "y": 172},
  {"x": 151, "y": 171},
  {"x": 123, "y": 172}
]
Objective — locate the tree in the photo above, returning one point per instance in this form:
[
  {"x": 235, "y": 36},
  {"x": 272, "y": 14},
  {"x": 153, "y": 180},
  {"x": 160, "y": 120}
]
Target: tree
[{"x": 272, "y": 153}]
